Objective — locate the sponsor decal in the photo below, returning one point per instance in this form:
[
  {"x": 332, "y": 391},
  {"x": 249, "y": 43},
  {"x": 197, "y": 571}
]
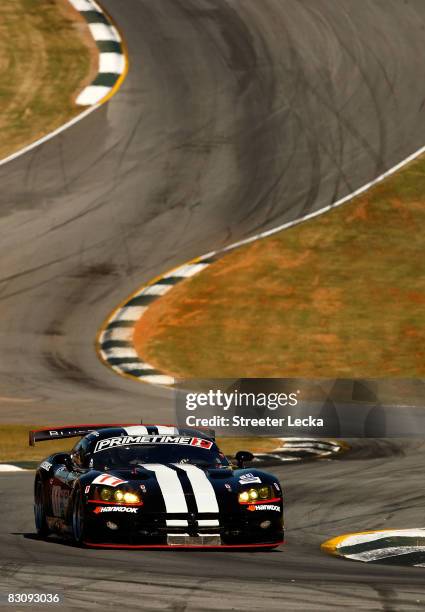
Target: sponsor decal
[
  {"x": 228, "y": 487},
  {"x": 59, "y": 500},
  {"x": 276, "y": 486},
  {"x": 55, "y": 433},
  {"x": 91, "y": 463},
  {"x": 101, "y": 509},
  {"x": 143, "y": 488},
  {"x": 201, "y": 442},
  {"x": 87, "y": 489},
  {"x": 140, "y": 440},
  {"x": 56, "y": 524},
  {"x": 46, "y": 465},
  {"x": 107, "y": 479},
  {"x": 248, "y": 478},
  {"x": 272, "y": 507}
]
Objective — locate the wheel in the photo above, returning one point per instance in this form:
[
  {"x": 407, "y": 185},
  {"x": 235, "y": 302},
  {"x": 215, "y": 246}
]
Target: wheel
[
  {"x": 78, "y": 518},
  {"x": 40, "y": 511}
]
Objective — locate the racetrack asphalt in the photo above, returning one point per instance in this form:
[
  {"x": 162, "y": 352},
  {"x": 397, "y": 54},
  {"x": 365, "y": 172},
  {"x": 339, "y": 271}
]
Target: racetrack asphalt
[
  {"x": 322, "y": 498},
  {"x": 235, "y": 117}
]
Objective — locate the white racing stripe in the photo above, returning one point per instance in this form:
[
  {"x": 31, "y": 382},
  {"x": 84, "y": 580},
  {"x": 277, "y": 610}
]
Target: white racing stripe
[
  {"x": 136, "y": 430},
  {"x": 203, "y": 490},
  {"x": 176, "y": 522},
  {"x": 170, "y": 485},
  {"x": 167, "y": 430}
]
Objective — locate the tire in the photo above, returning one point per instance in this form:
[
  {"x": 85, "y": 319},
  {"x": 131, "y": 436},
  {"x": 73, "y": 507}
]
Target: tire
[
  {"x": 40, "y": 510},
  {"x": 78, "y": 518}
]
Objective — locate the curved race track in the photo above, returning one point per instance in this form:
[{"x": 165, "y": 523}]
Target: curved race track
[{"x": 236, "y": 116}]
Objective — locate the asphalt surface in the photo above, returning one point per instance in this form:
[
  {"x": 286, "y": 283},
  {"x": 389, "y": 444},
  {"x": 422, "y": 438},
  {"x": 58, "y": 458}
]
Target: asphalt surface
[
  {"x": 236, "y": 116},
  {"x": 323, "y": 498}
]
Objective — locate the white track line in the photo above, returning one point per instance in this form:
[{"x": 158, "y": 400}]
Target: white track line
[
  {"x": 325, "y": 209},
  {"x": 41, "y": 141},
  {"x": 199, "y": 264}
]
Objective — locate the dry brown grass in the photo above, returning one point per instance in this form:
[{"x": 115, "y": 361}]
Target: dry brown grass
[
  {"x": 339, "y": 296},
  {"x": 14, "y": 444},
  {"x": 46, "y": 56}
]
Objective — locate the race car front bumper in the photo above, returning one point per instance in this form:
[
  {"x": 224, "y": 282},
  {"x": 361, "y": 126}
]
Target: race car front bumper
[
  {"x": 194, "y": 543},
  {"x": 234, "y": 530}
]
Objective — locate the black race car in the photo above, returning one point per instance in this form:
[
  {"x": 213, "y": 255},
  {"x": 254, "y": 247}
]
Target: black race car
[{"x": 153, "y": 486}]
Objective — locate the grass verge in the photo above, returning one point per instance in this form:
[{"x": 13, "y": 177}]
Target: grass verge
[
  {"x": 46, "y": 56},
  {"x": 340, "y": 296},
  {"x": 14, "y": 444}
]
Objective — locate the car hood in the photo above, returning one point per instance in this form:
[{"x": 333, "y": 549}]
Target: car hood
[{"x": 168, "y": 472}]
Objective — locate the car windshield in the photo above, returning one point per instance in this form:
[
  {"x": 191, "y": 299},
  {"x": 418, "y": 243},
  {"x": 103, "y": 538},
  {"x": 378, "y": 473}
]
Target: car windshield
[{"x": 133, "y": 455}]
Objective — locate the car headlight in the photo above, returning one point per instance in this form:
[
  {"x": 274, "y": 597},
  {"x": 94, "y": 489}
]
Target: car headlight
[
  {"x": 127, "y": 497},
  {"x": 119, "y": 495},
  {"x": 131, "y": 498},
  {"x": 256, "y": 493},
  {"x": 106, "y": 494},
  {"x": 264, "y": 493},
  {"x": 244, "y": 497}
]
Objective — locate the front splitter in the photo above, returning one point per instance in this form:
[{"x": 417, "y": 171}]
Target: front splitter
[{"x": 184, "y": 546}]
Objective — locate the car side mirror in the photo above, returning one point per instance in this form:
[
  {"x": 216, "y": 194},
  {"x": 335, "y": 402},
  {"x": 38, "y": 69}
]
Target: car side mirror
[{"x": 243, "y": 456}]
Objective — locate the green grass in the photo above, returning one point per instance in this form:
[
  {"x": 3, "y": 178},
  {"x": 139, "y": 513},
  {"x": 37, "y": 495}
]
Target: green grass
[
  {"x": 47, "y": 55},
  {"x": 342, "y": 295}
]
